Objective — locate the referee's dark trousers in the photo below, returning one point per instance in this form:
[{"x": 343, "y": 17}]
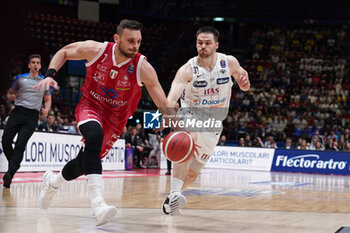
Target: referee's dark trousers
[{"x": 22, "y": 121}]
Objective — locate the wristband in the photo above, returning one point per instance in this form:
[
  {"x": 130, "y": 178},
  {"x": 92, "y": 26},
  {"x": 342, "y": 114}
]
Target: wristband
[{"x": 50, "y": 73}]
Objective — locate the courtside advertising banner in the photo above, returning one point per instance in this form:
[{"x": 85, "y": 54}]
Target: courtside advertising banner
[
  {"x": 310, "y": 161},
  {"x": 51, "y": 151},
  {"x": 244, "y": 158}
]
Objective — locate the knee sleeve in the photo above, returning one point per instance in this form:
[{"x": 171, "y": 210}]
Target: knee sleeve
[
  {"x": 93, "y": 135},
  {"x": 74, "y": 168}
]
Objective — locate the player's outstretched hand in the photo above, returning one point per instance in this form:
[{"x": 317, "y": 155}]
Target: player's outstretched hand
[
  {"x": 243, "y": 81},
  {"x": 45, "y": 84}
]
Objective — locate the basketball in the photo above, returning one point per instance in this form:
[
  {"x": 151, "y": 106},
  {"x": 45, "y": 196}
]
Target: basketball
[{"x": 178, "y": 146}]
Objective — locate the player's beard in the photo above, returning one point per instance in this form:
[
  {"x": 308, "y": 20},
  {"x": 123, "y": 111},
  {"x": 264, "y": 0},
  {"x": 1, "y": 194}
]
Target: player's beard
[
  {"x": 126, "y": 53},
  {"x": 205, "y": 55}
]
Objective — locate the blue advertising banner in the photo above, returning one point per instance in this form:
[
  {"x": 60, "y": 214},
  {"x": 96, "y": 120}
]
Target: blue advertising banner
[{"x": 308, "y": 161}]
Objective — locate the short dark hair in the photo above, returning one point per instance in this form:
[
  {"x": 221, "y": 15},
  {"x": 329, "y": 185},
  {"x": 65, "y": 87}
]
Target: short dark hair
[
  {"x": 130, "y": 24},
  {"x": 209, "y": 29},
  {"x": 34, "y": 56}
]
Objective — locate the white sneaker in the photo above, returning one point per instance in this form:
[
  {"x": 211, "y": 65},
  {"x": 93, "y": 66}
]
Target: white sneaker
[
  {"x": 174, "y": 203},
  {"x": 103, "y": 212},
  {"x": 48, "y": 192}
]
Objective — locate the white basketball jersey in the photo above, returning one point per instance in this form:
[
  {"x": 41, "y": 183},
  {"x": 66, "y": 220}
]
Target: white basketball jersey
[{"x": 208, "y": 94}]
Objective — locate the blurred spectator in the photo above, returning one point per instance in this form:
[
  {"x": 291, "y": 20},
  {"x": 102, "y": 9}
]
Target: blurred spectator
[
  {"x": 259, "y": 142},
  {"x": 318, "y": 146},
  {"x": 347, "y": 146},
  {"x": 247, "y": 141},
  {"x": 272, "y": 144},
  {"x": 268, "y": 143},
  {"x": 48, "y": 125},
  {"x": 289, "y": 144},
  {"x": 222, "y": 141},
  {"x": 123, "y": 133},
  {"x": 154, "y": 156},
  {"x": 134, "y": 140},
  {"x": 303, "y": 145},
  {"x": 241, "y": 142}
]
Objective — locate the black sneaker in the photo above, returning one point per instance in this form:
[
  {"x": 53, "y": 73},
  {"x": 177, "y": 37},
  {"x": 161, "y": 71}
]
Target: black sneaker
[
  {"x": 7, "y": 180},
  {"x": 168, "y": 173}
]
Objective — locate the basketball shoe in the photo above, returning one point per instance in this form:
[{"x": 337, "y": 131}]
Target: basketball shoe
[
  {"x": 103, "y": 212},
  {"x": 7, "y": 180},
  {"x": 174, "y": 203},
  {"x": 48, "y": 192}
]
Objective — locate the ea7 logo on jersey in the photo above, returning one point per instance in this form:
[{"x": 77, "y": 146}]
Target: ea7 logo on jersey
[
  {"x": 211, "y": 91},
  {"x": 221, "y": 81}
]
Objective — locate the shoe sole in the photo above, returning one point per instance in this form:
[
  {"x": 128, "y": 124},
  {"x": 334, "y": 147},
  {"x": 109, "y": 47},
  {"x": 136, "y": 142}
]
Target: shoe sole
[
  {"x": 107, "y": 216},
  {"x": 7, "y": 180},
  {"x": 166, "y": 201}
]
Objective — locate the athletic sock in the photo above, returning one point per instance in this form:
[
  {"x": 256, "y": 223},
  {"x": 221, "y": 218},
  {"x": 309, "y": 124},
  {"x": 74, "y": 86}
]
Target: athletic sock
[
  {"x": 95, "y": 186},
  {"x": 176, "y": 185}
]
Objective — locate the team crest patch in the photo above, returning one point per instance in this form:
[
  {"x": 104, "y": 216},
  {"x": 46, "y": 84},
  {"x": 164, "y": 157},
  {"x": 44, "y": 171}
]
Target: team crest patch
[
  {"x": 130, "y": 68},
  {"x": 222, "y": 63},
  {"x": 113, "y": 74}
]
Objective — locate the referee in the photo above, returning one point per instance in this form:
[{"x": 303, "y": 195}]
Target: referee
[{"x": 24, "y": 117}]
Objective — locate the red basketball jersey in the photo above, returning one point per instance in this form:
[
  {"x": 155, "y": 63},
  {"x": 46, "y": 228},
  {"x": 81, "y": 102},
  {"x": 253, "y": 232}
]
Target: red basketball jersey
[{"x": 115, "y": 89}]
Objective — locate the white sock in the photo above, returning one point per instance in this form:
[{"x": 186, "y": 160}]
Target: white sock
[
  {"x": 57, "y": 180},
  {"x": 176, "y": 185},
  {"x": 94, "y": 182}
]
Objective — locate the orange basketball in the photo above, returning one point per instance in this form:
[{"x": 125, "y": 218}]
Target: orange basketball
[{"x": 178, "y": 146}]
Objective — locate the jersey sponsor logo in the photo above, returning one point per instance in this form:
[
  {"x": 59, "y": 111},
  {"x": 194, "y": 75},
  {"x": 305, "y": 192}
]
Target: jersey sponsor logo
[
  {"x": 211, "y": 91},
  {"x": 130, "y": 68},
  {"x": 110, "y": 92},
  {"x": 222, "y": 71},
  {"x": 123, "y": 84},
  {"x": 211, "y": 103},
  {"x": 199, "y": 75},
  {"x": 122, "y": 89},
  {"x": 221, "y": 81},
  {"x": 222, "y": 63},
  {"x": 201, "y": 83},
  {"x": 112, "y": 102},
  {"x": 113, "y": 74},
  {"x": 99, "y": 76},
  {"x": 102, "y": 67}
]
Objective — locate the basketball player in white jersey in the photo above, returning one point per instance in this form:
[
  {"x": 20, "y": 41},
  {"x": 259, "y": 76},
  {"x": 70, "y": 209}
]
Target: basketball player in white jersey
[{"x": 204, "y": 84}]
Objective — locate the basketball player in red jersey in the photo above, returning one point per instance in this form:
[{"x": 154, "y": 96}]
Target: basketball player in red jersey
[{"x": 115, "y": 72}]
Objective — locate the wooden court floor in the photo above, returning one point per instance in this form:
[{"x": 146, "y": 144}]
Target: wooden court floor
[{"x": 219, "y": 201}]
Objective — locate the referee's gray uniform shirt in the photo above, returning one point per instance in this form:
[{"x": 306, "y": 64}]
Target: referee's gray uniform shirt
[{"x": 27, "y": 96}]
